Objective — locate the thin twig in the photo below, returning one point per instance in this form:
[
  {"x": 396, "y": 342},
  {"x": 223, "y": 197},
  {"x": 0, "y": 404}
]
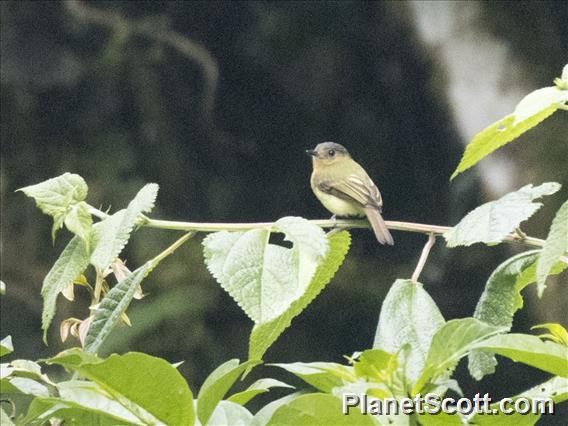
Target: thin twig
[
  {"x": 184, "y": 45},
  {"x": 423, "y": 257},
  {"x": 421, "y": 228}
]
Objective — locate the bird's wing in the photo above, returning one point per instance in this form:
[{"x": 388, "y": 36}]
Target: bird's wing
[{"x": 353, "y": 188}]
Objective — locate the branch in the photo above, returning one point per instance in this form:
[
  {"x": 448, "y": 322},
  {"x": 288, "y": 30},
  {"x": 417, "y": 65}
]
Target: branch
[
  {"x": 189, "y": 48},
  {"x": 423, "y": 257},
  {"x": 420, "y": 228}
]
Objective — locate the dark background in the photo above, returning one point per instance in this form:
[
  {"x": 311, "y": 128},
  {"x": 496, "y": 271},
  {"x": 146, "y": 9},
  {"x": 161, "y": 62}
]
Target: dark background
[{"x": 99, "y": 90}]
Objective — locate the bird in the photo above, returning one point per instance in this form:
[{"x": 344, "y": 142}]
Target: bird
[{"x": 345, "y": 188}]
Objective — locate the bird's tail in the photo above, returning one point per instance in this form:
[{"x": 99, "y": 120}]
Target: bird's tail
[{"x": 379, "y": 226}]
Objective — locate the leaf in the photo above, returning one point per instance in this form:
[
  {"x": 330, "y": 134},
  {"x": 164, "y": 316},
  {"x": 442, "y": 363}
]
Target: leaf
[
  {"x": 323, "y": 376},
  {"x": 230, "y": 413},
  {"x": 112, "y": 234},
  {"x": 263, "y": 335},
  {"x": 217, "y": 385},
  {"x": 491, "y": 222},
  {"x": 257, "y": 388},
  {"x": 450, "y": 343},
  {"x": 265, "y": 413},
  {"x": 408, "y": 316},
  {"x": 113, "y": 306},
  {"x": 43, "y": 409},
  {"x": 78, "y": 220},
  {"x": 71, "y": 263},
  {"x": 55, "y": 195},
  {"x": 501, "y": 299},
  {"x": 264, "y": 279},
  {"x": 149, "y": 387},
  {"x": 6, "y": 346},
  {"x": 5, "y": 419},
  {"x": 547, "y": 356},
  {"x": 555, "y": 247},
  {"x": 532, "y": 109},
  {"x": 375, "y": 365},
  {"x": 556, "y": 389},
  {"x": 557, "y": 333},
  {"x": 317, "y": 409}
]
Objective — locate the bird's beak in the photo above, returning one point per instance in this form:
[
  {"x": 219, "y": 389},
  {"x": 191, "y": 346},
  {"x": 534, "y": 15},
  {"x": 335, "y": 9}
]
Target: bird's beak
[{"x": 311, "y": 152}]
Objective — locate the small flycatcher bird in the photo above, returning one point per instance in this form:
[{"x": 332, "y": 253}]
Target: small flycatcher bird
[{"x": 345, "y": 188}]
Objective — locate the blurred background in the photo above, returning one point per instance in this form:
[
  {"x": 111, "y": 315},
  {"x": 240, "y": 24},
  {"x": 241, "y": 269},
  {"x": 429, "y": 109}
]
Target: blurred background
[{"x": 217, "y": 101}]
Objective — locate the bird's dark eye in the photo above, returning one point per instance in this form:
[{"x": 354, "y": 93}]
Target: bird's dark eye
[{"x": 331, "y": 152}]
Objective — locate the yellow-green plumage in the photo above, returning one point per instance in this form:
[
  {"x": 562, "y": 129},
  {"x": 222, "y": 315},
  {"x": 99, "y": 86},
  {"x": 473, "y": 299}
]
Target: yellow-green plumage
[{"x": 345, "y": 188}]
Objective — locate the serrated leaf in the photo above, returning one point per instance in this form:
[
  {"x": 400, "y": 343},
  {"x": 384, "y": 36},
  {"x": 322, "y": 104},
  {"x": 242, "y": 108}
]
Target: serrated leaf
[
  {"x": 57, "y": 197},
  {"x": 71, "y": 263},
  {"x": 502, "y": 298},
  {"x": 408, "y": 316},
  {"x": 531, "y": 350},
  {"x": 217, "y": 385},
  {"x": 264, "y": 279},
  {"x": 555, "y": 247},
  {"x": 259, "y": 387},
  {"x": 491, "y": 222},
  {"x": 149, "y": 387},
  {"x": 6, "y": 346},
  {"x": 112, "y": 234},
  {"x": 532, "y": 109},
  {"x": 452, "y": 341},
  {"x": 78, "y": 220},
  {"x": 263, "y": 335},
  {"x": 113, "y": 306}
]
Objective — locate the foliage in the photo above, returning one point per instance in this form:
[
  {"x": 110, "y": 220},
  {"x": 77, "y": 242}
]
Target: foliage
[{"x": 415, "y": 350}]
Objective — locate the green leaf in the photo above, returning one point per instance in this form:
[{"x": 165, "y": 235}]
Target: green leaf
[
  {"x": 556, "y": 389},
  {"x": 149, "y": 387},
  {"x": 56, "y": 197},
  {"x": 408, "y": 316},
  {"x": 113, "y": 306},
  {"x": 6, "y": 346},
  {"x": 451, "y": 342},
  {"x": 264, "y": 279},
  {"x": 501, "y": 299},
  {"x": 263, "y": 335},
  {"x": 257, "y": 388},
  {"x": 112, "y": 234},
  {"x": 317, "y": 409},
  {"x": 375, "y": 365},
  {"x": 71, "y": 263},
  {"x": 89, "y": 398},
  {"x": 533, "y": 109},
  {"x": 555, "y": 247},
  {"x": 323, "y": 376},
  {"x": 230, "y": 413},
  {"x": 41, "y": 410},
  {"x": 5, "y": 419},
  {"x": 262, "y": 417},
  {"x": 557, "y": 333},
  {"x": 217, "y": 385},
  {"x": 547, "y": 356},
  {"x": 78, "y": 220},
  {"x": 491, "y": 222}
]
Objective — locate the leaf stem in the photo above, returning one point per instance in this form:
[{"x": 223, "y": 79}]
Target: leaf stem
[
  {"x": 421, "y": 228},
  {"x": 423, "y": 257}
]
